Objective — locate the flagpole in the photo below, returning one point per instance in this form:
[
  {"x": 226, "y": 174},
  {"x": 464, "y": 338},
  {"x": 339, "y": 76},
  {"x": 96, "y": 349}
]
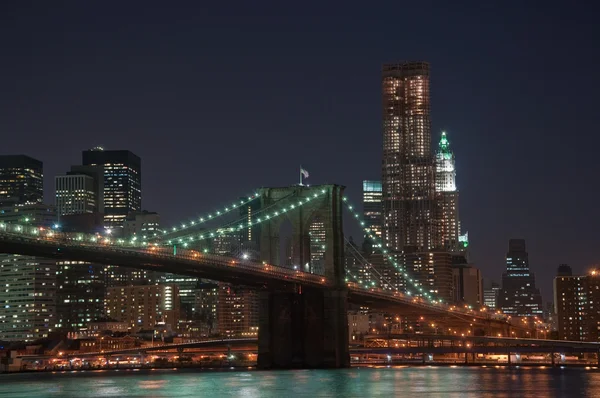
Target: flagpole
[{"x": 300, "y": 175}]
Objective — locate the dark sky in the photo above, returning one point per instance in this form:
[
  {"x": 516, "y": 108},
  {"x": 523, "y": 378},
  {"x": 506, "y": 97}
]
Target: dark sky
[{"x": 220, "y": 99}]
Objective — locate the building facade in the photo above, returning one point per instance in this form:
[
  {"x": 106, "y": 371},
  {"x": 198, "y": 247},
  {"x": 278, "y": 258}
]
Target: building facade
[
  {"x": 21, "y": 180},
  {"x": 27, "y": 297},
  {"x": 28, "y": 284},
  {"x": 142, "y": 224},
  {"x": 143, "y": 307},
  {"x": 122, "y": 183},
  {"x": 447, "y": 223},
  {"x": 577, "y": 305},
  {"x": 518, "y": 295},
  {"x": 205, "y": 307},
  {"x": 318, "y": 236},
  {"x": 570, "y": 305},
  {"x": 373, "y": 209},
  {"x": 75, "y": 194},
  {"x": 237, "y": 311},
  {"x": 79, "y": 295},
  {"x": 468, "y": 287},
  {"x": 490, "y": 294},
  {"x": 408, "y": 188},
  {"x": 432, "y": 271}
]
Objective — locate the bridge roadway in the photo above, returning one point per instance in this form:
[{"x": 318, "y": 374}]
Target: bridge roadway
[
  {"x": 30, "y": 240},
  {"x": 414, "y": 344},
  {"x": 237, "y": 345},
  {"x": 446, "y": 344}
]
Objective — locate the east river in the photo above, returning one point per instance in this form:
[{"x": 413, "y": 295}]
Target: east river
[{"x": 357, "y": 382}]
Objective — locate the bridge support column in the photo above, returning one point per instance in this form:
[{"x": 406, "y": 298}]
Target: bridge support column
[{"x": 307, "y": 330}]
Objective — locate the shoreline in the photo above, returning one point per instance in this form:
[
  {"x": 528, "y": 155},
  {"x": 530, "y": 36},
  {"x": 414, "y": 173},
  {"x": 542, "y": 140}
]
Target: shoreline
[{"x": 149, "y": 370}]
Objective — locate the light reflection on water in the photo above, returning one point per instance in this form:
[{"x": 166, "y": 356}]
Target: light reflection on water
[{"x": 366, "y": 382}]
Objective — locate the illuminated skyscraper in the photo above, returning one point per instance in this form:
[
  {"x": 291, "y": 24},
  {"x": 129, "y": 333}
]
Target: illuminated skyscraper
[
  {"x": 518, "y": 295},
  {"x": 21, "y": 180},
  {"x": 122, "y": 183},
  {"x": 75, "y": 194},
  {"x": 447, "y": 225},
  {"x": 27, "y": 297},
  {"x": 373, "y": 207},
  {"x": 317, "y": 235},
  {"x": 408, "y": 170}
]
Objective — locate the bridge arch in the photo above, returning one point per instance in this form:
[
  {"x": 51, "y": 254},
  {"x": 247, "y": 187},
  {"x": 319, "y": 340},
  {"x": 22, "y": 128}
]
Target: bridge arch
[{"x": 325, "y": 205}]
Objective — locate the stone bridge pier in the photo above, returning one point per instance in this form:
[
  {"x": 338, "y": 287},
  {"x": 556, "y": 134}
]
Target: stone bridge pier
[{"x": 306, "y": 327}]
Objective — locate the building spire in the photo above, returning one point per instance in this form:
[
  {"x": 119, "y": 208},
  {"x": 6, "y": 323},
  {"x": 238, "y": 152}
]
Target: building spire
[
  {"x": 445, "y": 145},
  {"x": 445, "y": 178}
]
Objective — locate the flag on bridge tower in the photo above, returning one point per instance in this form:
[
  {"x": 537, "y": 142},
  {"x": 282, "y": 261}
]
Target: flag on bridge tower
[{"x": 303, "y": 174}]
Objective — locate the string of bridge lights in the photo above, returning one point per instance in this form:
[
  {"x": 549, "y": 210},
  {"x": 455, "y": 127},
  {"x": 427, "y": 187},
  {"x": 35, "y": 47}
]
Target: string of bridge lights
[
  {"x": 211, "y": 216},
  {"x": 217, "y": 232},
  {"x": 226, "y": 226},
  {"x": 374, "y": 271},
  {"x": 389, "y": 257}
]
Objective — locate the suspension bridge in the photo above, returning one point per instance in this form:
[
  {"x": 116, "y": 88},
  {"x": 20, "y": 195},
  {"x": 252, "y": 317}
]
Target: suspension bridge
[{"x": 303, "y": 308}]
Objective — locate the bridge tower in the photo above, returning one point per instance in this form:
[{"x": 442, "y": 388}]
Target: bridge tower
[{"x": 306, "y": 327}]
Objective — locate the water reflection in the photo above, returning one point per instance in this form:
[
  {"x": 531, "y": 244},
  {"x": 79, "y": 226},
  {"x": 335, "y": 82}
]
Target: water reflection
[{"x": 385, "y": 382}]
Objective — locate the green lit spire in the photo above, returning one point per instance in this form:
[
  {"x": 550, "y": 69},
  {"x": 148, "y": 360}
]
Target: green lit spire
[
  {"x": 444, "y": 144},
  {"x": 445, "y": 147}
]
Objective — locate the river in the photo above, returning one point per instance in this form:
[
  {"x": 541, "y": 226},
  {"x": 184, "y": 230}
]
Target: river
[{"x": 357, "y": 382}]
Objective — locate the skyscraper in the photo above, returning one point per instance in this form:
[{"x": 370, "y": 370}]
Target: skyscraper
[
  {"x": 122, "y": 183},
  {"x": 75, "y": 195},
  {"x": 407, "y": 175},
  {"x": 447, "y": 224},
  {"x": 518, "y": 295},
  {"x": 27, "y": 297},
  {"x": 80, "y": 191},
  {"x": 490, "y": 294},
  {"x": 80, "y": 294},
  {"x": 21, "y": 180},
  {"x": 372, "y": 211}
]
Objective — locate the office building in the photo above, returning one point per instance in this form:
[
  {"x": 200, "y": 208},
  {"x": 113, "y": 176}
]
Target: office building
[
  {"x": 358, "y": 267},
  {"x": 468, "y": 288},
  {"x": 447, "y": 224},
  {"x": 21, "y": 180},
  {"x": 144, "y": 225},
  {"x": 30, "y": 214},
  {"x": 122, "y": 183},
  {"x": 317, "y": 233},
  {"x": 143, "y": 307},
  {"x": 518, "y": 295},
  {"x": 75, "y": 194},
  {"x": 187, "y": 287},
  {"x": 372, "y": 212},
  {"x": 432, "y": 272},
  {"x": 80, "y": 191},
  {"x": 490, "y": 294},
  {"x": 27, "y": 296},
  {"x": 80, "y": 294},
  {"x": 237, "y": 311},
  {"x": 408, "y": 188},
  {"x": 205, "y": 307}
]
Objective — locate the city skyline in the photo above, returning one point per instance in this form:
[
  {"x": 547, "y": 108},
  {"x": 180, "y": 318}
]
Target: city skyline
[{"x": 500, "y": 182}]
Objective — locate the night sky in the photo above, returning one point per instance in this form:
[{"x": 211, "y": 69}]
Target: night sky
[{"x": 218, "y": 100}]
